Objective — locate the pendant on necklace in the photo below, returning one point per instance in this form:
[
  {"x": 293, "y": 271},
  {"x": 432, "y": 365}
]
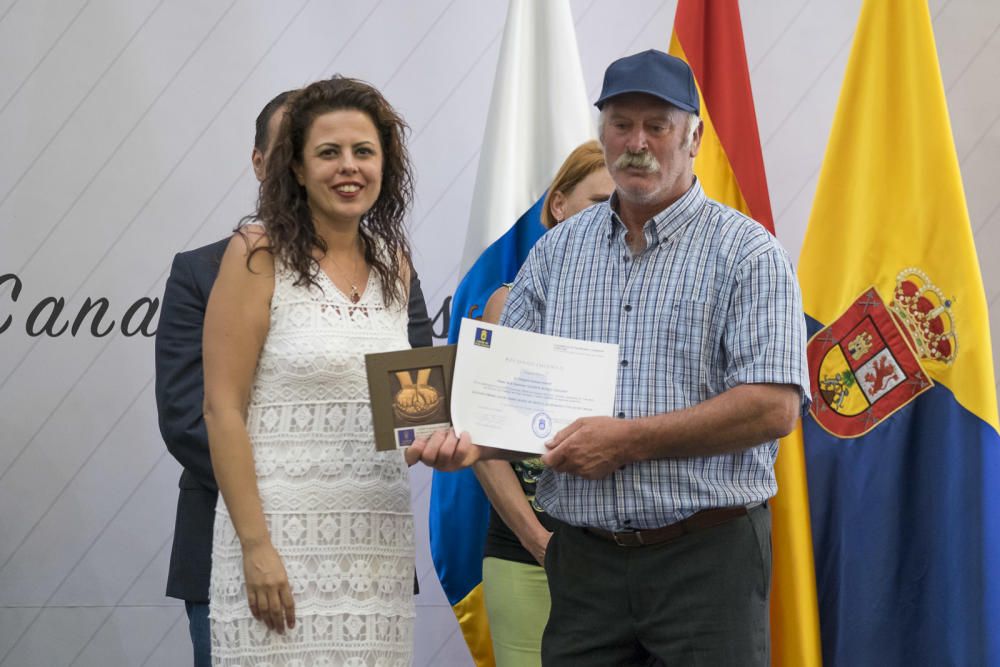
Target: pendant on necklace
[{"x": 355, "y": 297}]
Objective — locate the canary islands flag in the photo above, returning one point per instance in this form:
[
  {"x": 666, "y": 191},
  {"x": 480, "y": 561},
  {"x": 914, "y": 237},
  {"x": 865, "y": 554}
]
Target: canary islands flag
[
  {"x": 730, "y": 167},
  {"x": 538, "y": 114},
  {"x": 902, "y": 445}
]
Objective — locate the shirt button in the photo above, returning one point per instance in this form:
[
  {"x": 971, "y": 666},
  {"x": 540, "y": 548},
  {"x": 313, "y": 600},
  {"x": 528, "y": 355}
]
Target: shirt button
[
  {"x": 621, "y": 415},
  {"x": 628, "y": 307},
  {"x": 624, "y": 362}
]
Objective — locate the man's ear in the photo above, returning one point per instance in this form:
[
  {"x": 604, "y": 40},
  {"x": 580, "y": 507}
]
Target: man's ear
[
  {"x": 257, "y": 160},
  {"x": 557, "y": 206},
  {"x": 696, "y": 139}
]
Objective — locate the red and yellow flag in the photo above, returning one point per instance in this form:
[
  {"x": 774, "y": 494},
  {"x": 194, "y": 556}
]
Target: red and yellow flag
[{"x": 708, "y": 35}]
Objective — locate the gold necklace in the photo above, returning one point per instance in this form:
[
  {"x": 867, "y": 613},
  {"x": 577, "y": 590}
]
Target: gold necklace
[{"x": 355, "y": 295}]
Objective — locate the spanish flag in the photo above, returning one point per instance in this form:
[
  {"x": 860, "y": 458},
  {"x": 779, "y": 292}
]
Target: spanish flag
[
  {"x": 902, "y": 445},
  {"x": 709, "y": 36}
]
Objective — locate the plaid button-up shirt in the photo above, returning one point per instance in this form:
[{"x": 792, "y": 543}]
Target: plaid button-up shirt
[{"x": 711, "y": 303}]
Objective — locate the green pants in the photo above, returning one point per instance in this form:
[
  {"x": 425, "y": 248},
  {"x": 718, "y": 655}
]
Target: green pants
[{"x": 517, "y": 604}]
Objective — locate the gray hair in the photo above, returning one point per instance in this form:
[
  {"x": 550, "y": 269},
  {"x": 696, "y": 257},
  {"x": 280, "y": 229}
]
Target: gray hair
[{"x": 691, "y": 122}]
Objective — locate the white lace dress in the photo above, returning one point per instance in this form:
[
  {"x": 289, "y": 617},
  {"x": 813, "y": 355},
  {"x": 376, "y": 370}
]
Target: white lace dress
[{"x": 338, "y": 511}]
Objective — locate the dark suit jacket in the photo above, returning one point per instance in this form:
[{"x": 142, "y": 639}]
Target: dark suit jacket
[{"x": 180, "y": 393}]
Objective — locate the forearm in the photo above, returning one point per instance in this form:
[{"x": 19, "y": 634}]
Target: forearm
[
  {"x": 507, "y": 497},
  {"x": 232, "y": 460},
  {"x": 742, "y": 417},
  {"x": 498, "y": 455}
]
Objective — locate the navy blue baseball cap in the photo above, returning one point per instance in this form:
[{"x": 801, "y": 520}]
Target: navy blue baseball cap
[{"x": 653, "y": 73}]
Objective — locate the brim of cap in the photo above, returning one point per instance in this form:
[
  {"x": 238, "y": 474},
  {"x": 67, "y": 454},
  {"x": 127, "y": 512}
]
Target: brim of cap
[{"x": 677, "y": 103}]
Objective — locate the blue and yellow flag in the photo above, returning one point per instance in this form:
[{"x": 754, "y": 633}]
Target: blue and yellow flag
[
  {"x": 902, "y": 445},
  {"x": 538, "y": 114}
]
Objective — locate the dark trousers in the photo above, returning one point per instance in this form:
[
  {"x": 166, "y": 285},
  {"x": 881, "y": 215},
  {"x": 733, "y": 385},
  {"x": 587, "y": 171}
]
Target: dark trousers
[
  {"x": 701, "y": 599},
  {"x": 201, "y": 638}
]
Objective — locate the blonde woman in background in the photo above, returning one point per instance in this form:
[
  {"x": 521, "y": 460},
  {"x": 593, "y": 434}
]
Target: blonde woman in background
[{"x": 516, "y": 589}]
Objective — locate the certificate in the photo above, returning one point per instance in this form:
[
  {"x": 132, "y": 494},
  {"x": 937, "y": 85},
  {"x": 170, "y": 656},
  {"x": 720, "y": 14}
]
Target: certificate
[{"x": 514, "y": 389}]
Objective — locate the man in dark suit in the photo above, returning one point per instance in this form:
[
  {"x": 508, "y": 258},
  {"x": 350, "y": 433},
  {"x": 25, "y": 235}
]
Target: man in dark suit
[{"x": 180, "y": 392}]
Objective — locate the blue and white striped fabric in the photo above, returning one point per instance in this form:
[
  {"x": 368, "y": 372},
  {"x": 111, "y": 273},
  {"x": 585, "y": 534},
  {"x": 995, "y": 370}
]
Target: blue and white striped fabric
[{"x": 711, "y": 303}]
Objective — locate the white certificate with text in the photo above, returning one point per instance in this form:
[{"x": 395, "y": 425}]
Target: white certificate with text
[{"x": 514, "y": 389}]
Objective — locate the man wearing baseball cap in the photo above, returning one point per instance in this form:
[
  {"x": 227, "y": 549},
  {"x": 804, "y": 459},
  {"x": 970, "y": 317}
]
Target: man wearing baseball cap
[{"x": 666, "y": 552}]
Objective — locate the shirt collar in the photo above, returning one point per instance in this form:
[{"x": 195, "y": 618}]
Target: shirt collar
[{"x": 667, "y": 222}]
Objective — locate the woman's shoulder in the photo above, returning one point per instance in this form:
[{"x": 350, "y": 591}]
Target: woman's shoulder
[
  {"x": 494, "y": 305},
  {"x": 250, "y": 246},
  {"x": 253, "y": 233}
]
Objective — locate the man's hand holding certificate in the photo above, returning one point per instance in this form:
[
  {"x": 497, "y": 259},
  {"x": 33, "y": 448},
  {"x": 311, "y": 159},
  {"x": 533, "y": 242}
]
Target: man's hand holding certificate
[{"x": 515, "y": 390}]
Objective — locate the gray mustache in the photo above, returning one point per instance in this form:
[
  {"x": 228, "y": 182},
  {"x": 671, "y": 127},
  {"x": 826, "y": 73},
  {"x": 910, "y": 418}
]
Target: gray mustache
[{"x": 643, "y": 160}]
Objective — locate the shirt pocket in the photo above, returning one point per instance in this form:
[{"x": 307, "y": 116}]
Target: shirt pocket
[{"x": 682, "y": 354}]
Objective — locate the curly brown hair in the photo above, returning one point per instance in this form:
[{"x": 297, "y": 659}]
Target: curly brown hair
[{"x": 282, "y": 204}]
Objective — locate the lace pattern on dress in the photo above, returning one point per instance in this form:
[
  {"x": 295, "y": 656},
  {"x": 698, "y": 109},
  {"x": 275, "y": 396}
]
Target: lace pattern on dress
[{"x": 338, "y": 512}]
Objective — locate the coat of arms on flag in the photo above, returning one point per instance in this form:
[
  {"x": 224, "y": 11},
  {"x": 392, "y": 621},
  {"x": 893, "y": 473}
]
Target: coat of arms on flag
[{"x": 867, "y": 363}]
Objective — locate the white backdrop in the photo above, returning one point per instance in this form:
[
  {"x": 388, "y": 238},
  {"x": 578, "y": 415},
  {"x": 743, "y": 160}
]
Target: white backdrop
[{"x": 126, "y": 129}]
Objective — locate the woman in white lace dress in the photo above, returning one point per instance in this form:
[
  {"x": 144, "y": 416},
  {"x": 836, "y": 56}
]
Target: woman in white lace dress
[{"x": 312, "y": 560}]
